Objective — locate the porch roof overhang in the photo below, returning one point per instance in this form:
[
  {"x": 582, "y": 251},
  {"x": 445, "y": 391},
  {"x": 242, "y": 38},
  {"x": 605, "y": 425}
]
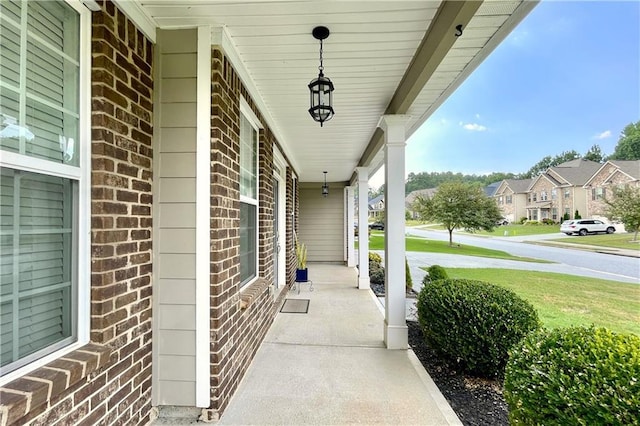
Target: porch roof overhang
[{"x": 384, "y": 57}]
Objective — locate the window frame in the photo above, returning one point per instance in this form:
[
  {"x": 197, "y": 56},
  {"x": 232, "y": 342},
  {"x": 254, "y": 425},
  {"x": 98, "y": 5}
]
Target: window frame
[
  {"x": 250, "y": 116},
  {"x": 82, "y": 215}
]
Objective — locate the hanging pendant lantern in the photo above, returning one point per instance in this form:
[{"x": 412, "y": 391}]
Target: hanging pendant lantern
[{"x": 321, "y": 88}]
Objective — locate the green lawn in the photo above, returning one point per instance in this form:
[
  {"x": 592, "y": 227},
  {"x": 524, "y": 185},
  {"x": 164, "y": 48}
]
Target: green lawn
[
  {"x": 376, "y": 242},
  {"x": 509, "y": 230},
  {"x": 612, "y": 240},
  {"x": 519, "y": 230},
  {"x": 565, "y": 300}
]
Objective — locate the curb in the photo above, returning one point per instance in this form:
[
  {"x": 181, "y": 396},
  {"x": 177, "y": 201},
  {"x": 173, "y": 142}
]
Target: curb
[{"x": 596, "y": 249}]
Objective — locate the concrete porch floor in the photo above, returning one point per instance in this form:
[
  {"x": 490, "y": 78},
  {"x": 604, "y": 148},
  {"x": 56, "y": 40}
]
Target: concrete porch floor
[{"x": 330, "y": 367}]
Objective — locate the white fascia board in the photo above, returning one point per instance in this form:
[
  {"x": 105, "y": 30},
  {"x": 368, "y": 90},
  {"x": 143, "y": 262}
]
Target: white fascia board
[
  {"x": 134, "y": 11},
  {"x": 220, "y": 37}
]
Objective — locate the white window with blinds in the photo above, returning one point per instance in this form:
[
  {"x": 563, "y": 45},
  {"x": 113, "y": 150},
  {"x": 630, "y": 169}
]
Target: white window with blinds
[
  {"x": 44, "y": 181},
  {"x": 248, "y": 196}
]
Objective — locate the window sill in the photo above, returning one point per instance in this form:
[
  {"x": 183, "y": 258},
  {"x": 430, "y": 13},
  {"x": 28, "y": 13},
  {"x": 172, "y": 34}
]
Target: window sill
[
  {"x": 252, "y": 292},
  {"x": 29, "y": 392}
]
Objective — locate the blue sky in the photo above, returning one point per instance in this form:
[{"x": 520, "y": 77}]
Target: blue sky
[{"x": 566, "y": 78}]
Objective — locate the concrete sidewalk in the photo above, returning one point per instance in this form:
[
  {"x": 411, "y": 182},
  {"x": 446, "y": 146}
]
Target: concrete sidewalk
[{"x": 329, "y": 366}]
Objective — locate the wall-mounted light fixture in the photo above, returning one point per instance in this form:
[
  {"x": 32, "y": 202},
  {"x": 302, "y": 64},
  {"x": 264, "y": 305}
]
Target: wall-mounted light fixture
[
  {"x": 321, "y": 88},
  {"x": 325, "y": 187}
]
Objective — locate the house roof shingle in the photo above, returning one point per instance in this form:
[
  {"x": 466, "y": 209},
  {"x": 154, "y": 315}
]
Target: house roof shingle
[
  {"x": 411, "y": 197},
  {"x": 576, "y": 172},
  {"x": 630, "y": 167},
  {"x": 518, "y": 186}
]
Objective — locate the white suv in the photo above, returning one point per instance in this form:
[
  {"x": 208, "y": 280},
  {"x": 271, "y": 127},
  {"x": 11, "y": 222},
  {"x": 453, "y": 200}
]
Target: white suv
[{"x": 586, "y": 226}]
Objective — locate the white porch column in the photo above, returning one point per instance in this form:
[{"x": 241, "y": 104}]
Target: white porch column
[
  {"x": 350, "y": 199},
  {"x": 363, "y": 228},
  {"x": 395, "y": 325}
]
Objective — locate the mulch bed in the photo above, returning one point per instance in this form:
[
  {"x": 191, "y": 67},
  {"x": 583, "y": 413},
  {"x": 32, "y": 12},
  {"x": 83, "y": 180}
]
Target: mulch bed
[{"x": 475, "y": 401}]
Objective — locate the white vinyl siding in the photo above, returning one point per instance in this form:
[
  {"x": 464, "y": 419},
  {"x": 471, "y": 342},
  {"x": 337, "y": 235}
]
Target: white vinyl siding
[
  {"x": 175, "y": 224},
  {"x": 43, "y": 179}
]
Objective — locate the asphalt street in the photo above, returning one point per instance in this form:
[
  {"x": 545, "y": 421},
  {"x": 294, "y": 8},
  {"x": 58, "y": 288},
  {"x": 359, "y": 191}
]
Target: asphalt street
[{"x": 568, "y": 261}]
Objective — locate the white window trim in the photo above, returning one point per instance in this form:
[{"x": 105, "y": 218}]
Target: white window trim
[
  {"x": 83, "y": 175},
  {"x": 249, "y": 115}
]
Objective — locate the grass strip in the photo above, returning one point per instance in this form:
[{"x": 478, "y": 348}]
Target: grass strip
[
  {"x": 425, "y": 245},
  {"x": 567, "y": 300},
  {"x": 623, "y": 241}
]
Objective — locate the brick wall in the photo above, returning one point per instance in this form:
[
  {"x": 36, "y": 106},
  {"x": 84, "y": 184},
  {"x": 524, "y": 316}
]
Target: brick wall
[
  {"x": 239, "y": 317},
  {"x": 122, "y": 84},
  {"x": 108, "y": 381},
  {"x": 267, "y": 205}
]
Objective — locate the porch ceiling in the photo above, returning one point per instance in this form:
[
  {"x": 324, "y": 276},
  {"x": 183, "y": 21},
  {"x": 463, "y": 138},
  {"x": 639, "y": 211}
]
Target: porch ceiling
[{"x": 371, "y": 48}]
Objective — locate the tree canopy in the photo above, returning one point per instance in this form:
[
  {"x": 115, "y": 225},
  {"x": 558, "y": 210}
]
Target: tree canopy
[
  {"x": 459, "y": 205},
  {"x": 594, "y": 154},
  {"x": 548, "y": 161},
  {"x": 425, "y": 180},
  {"x": 625, "y": 207},
  {"x": 628, "y": 147}
]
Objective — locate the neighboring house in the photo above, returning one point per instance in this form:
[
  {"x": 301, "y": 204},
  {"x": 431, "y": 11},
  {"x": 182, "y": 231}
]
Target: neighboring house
[
  {"x": 559, "y": 191},
  {"x": 611, "y": 175},
  {"x": 157, "y": 159},
  {"x": 376, "y": 207},
  {"x": 511, "y": 197},
  {"x": 411, "y": 198},
  {"x": 491, "y": 189}
]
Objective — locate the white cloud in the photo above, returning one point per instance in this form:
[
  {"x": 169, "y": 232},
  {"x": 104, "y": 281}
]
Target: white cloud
[
  {"x": 478, "y": 116},
  {"x": 474, "y": 127},
  {"x": 604, "y": 135}
]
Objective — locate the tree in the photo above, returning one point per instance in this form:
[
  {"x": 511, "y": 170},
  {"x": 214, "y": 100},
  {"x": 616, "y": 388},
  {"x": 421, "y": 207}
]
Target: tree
[
  {"x": 625, "y": 207},
  {"x": 459, "y": 205},
  {"x": 548, "y": 161},
  {"x": 628, "y": 147},
  {"x": 594, "y": 154}
]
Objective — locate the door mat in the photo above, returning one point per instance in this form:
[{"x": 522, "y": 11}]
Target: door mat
[{"x": 295, "y": 306}]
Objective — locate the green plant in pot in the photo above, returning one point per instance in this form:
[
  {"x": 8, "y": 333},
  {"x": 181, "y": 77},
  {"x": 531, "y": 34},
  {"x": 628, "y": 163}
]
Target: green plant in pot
[{"x": 302, "y": 274}]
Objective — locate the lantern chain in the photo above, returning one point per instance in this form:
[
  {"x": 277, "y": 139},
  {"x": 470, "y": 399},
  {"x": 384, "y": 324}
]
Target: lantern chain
[{"x": 321, "y": 68}]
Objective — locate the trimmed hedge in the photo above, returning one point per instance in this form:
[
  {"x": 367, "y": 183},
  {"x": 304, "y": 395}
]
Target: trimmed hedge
[
  {"x": 375, "y": 258},
  {"x": 376, "y": 270},
  {"x": 574, "y": 376},
  {"x": 473, "y": 323},
  {"x": 435, "y": 272},
  {"x": 407, "y": 274}
]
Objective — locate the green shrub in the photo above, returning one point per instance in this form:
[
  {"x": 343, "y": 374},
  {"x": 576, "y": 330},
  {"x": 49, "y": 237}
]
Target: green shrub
[
  {"x": 375, "y": 257},
  {"x": 532, "y": 223},
  {"x": 522, "y": 220},
  {"x": 566, "y": 216},
  {"x": 408, "y": 279},
  {"x": 574, "y": 376},
  {"x": 474, "y": 323},
  {"x": 547, "y": 221},
  {"x": 435, "y": 272},
  {"x": 577, "y": 215}
]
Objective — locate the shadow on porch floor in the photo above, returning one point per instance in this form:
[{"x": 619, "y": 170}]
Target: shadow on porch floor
[{"x": 330, "y": 367}]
